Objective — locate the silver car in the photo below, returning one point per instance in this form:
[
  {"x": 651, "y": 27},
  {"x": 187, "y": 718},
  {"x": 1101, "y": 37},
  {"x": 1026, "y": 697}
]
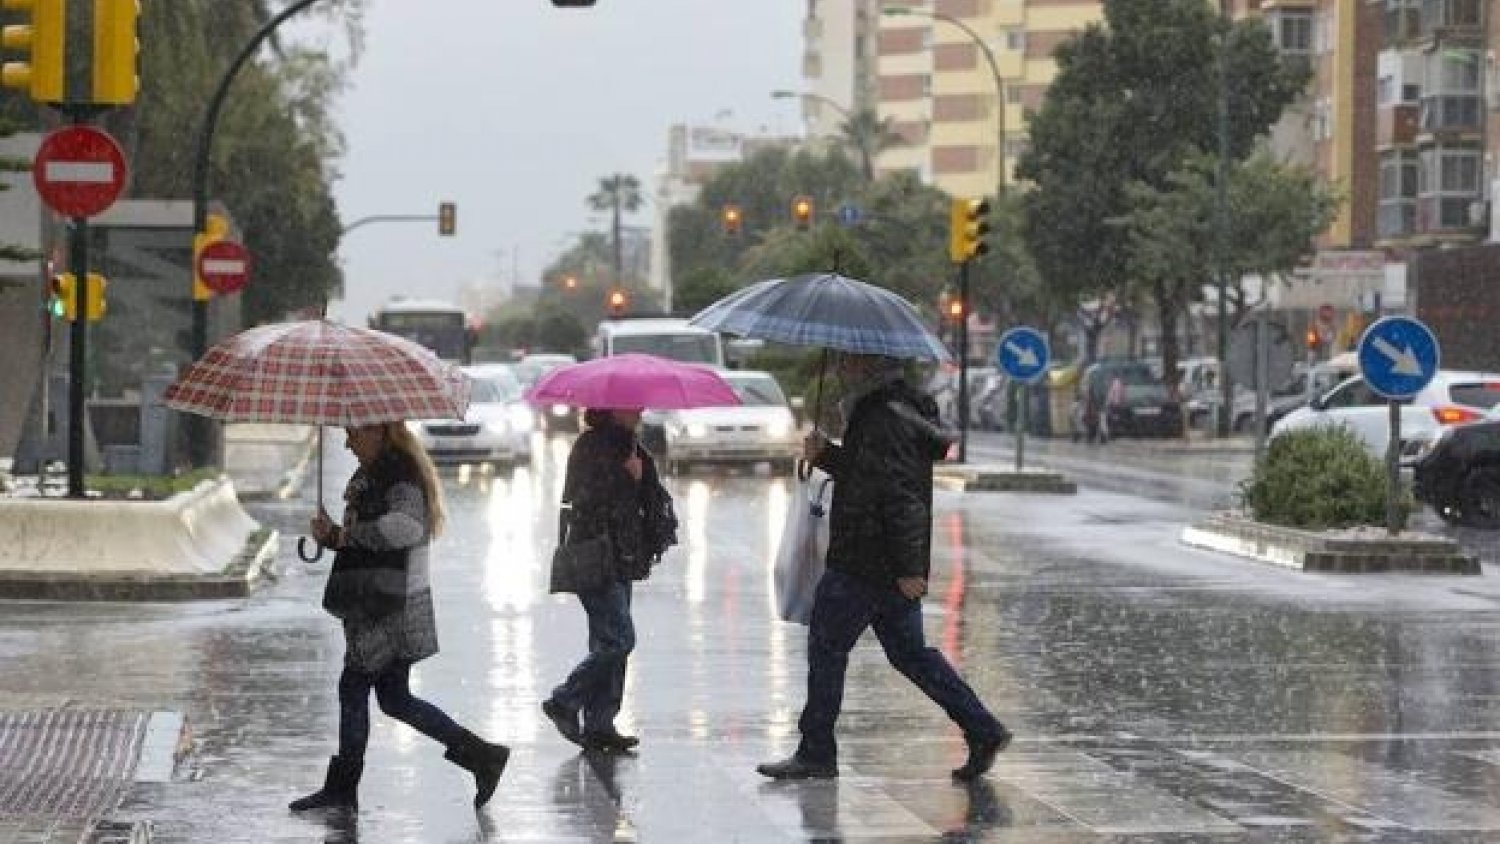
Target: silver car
[
  {"x": 496, "y": 429},
  {"x": 761, "y": 429}
]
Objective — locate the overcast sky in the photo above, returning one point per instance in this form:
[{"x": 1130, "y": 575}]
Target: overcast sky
[{"x": 514, "y": 109}]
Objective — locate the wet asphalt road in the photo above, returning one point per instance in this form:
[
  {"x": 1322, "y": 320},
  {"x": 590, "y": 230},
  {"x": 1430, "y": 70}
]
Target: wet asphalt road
[{"x": 1159, "y": 693}]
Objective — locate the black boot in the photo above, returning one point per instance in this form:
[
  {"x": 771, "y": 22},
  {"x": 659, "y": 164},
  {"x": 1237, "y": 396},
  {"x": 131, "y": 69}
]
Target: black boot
[
  {"x": 484, "y": 760},
  {"x": 340, "y": 787}
]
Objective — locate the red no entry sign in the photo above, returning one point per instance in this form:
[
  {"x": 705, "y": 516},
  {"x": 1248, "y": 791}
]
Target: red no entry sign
[
  {"x": 79, "y": 171},
  {"x": 224, "y": 266}
]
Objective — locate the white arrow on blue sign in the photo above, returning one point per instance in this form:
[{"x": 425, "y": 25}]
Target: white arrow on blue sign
[
  {"x": 1022, "y": 354},
  {"x": 848, "y": 214},
  {"x": 1398, "y": 356}
]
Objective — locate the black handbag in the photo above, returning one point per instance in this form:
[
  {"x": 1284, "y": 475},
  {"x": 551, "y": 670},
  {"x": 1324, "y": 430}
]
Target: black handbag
[
  {"x": 368, "y": 583},
  {"x": 580, "y": 565}
]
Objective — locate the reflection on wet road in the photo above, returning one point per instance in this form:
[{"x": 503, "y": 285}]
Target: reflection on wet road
[{"x": 1159, "y": 693}]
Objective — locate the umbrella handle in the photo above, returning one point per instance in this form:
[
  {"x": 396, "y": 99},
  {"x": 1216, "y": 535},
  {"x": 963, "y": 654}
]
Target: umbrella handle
[{"x": 317, "y": 553}]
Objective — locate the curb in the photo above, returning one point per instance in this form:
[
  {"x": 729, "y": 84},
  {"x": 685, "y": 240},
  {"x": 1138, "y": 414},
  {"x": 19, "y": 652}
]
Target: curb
[
  {"x": 1330, "y": 552},
  {"x": 237, "y": 580},
  {"x": 964, "y": 479}
]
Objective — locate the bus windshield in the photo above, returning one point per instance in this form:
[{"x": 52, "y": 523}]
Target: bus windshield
[
  {"x": 687, "y": 348},
  {"x": 442, "y": 331}
]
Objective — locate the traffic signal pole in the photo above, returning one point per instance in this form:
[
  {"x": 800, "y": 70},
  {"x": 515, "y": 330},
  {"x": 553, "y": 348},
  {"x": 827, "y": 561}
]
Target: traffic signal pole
[
  {"x": 78, "y": 331},
  {"x": 963, "y": 363}
]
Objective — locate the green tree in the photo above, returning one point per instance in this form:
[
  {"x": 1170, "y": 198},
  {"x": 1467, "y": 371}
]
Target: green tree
[
  {"x": 14, "y": 164},
  {"x": 557, "y": 328},
  {"x": 1134, "y": 98},
  {"x": 618, "y": 194},
  {"x": 868, "y": 136}
]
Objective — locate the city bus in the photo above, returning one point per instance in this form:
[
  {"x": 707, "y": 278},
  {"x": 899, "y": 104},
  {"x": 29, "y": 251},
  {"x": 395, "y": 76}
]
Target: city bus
[{"x": 440, "y": 326}]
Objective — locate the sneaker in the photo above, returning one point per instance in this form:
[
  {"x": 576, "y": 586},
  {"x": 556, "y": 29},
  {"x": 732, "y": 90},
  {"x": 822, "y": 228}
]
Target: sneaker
[
  {"x": 796, "y": 768},
  {"x": 608, "y": 742},
  {"x": 982, "y": 753},
  {"x": 564, "y": 719}
]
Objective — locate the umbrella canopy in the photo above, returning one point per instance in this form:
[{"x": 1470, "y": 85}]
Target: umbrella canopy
[
  {"x": 633, "y": 380},
  {"x": 828, "y": 310},
  {"x": 320, "y": 373}
]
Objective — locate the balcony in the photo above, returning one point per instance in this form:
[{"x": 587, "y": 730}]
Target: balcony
[
  {"x": 1396, "y": 125},
  {"x": 1445, "y": 18},
  {"x": 1451, "y": 114},
  {"x": 1444, "y": 213}
]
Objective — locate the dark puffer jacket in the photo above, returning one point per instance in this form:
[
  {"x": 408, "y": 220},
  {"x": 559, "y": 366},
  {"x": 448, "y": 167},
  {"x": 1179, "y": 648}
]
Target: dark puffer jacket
[
  {"x": 880, "y": 524},
  {"x": 637, "y": 515}
]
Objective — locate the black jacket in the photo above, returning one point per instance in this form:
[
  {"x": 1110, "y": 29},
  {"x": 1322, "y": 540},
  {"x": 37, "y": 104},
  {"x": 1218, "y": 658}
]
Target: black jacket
[
  {"x": 601, "y": 497},
  {"x": 880, "y": 523}
]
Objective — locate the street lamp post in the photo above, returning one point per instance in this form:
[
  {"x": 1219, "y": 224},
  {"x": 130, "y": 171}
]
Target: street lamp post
[{"x": 866, "y": 156}]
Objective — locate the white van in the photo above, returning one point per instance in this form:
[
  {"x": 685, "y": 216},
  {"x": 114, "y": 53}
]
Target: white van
[{"x": 661, "y": 336}]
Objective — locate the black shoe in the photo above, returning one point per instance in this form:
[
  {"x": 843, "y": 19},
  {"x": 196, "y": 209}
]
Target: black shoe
[
  {"x": 982, "y": 753},
  {"x": 340, "y": 787},
  {"x": 484, "y": 760},
  {"x": 607, "y": 742},
  {"x": 564, "y": 719},
  {"x": 795, "y": 768}
]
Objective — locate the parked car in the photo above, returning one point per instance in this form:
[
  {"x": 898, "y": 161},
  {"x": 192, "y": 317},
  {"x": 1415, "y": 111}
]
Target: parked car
[
  {"x": 1458, "y": 475},
  {"x": 760, "y": 429},
  {"x": 496, "y": 429},
  {"x": 990, "y": 402},
  {"x": 1143, "y": 407},
  {"x": 1451, "y": 398}
]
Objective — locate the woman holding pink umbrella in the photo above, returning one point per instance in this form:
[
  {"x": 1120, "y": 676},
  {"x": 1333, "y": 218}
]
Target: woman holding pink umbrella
[{"x": 612, "y": 490}]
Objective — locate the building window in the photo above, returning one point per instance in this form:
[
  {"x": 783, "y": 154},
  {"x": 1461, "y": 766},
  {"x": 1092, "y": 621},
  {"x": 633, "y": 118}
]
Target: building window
[
  {"x": 1442, "y": 14},
  {"x": 1322, "y": 120},
  {"x": 1448, "y": 183},
  {"x": 1015, "y": 40},
  {"x": 1293, "y": 30},
  {"x": 1452, "y": 96},
  {"x": 926, "y": 85},
  {"x": 1403, "y": 20},
  {"x": 1013, "y": 94}
]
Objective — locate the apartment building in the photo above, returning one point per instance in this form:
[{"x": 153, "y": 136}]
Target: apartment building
[
  {"x": 838, "y": 62},
  {"x": 945, "y": 68}
]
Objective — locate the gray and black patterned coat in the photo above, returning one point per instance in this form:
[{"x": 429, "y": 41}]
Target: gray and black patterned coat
[
  {"x": 880, "y": 522},
  {"x": 385, "y": 525}
]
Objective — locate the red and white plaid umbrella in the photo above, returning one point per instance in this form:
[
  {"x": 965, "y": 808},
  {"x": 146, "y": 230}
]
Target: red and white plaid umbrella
[{"x": 320, "y": 373}]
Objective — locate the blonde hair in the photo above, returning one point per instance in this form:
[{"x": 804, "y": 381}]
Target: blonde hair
[{"x": 401, "y": 439}]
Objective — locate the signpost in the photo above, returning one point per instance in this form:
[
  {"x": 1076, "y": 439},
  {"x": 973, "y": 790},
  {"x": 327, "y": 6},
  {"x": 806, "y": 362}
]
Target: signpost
[
  {"x": 1260, "y": 357},
  {"x": 224, "y": 266},
  {"x": 1398, "y": 356},
  {"x": 848, "y": 214},
  {"x": 1023, "y": 355},
  {"x": 79, "y": 171}
]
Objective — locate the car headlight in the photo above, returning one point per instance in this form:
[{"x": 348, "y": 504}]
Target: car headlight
[
  {"x": 561, "y": 409},
  {"x": 496, "y": 426},
  {"x": 779, "y": 428},
  {"x": 696, "y": 430}
]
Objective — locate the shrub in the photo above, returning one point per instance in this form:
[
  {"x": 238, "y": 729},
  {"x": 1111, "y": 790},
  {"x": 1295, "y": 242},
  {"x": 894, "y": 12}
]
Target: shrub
[{"x": 1319, "y": 478}]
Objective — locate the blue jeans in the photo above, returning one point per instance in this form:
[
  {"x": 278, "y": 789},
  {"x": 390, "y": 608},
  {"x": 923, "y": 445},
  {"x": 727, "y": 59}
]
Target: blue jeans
[
  {"x": 393, "y": 690},
  {"x": 843, "y": 607},
  {"x": 597, "y": 686}
]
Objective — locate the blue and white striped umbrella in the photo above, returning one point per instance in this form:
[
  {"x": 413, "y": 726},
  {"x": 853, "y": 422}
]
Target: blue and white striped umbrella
[{"x": 827, "y": 310}]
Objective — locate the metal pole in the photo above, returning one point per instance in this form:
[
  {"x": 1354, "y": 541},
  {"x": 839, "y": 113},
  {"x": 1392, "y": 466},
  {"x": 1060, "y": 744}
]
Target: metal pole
[
  {"x": 963, "y": 362},
  {"x": 1226, "y": 387},
  {"x": 1393, "y": 471},
  {"x": 1021, "y": 423},
  {"x": 1262, "y": 383},
  {"x": 387, "y": 218},
  {"x": 78, "y": 265},
  {"x": 199, "y": 429}
]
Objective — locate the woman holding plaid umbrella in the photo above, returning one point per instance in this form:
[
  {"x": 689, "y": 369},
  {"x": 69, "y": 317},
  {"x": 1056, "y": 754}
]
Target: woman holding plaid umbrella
[{"x": 379, "y": 589}]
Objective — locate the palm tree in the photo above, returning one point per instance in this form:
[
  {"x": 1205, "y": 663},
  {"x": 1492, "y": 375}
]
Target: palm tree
[
  {"x": 869, "y": 136},
  {"x": 618, "y": 193}
]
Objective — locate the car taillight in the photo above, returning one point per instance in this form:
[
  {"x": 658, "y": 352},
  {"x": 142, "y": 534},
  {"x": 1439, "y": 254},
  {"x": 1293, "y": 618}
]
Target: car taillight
[{"x": 1455, "y": 415}]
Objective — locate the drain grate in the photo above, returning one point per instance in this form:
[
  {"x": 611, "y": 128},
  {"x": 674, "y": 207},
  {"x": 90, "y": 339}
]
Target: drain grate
[{"x": 67, "y": 763}]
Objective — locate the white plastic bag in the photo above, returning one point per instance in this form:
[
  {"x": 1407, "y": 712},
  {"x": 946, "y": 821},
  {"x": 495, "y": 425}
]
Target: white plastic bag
[{"x": 804, "y": 544}]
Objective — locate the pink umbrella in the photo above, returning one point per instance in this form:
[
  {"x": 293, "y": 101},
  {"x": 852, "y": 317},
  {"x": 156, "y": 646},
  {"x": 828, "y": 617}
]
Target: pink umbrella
[{"x": 633, "y": 380}]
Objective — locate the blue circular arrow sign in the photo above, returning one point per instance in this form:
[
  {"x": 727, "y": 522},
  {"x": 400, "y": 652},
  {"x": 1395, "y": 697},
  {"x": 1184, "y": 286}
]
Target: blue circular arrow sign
[
  {"x": 1022, "y": 354},
  {"x": 1398, "y": 356}
]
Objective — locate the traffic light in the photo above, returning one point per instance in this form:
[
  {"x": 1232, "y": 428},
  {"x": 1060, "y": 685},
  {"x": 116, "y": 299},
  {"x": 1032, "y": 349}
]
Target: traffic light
[
  {"x": 956, "y": 309},
  {"x": 94, "y": 304},
  {"x": 1314, "y": 338},
  {"x": 63, "y": 301},
  {"x": 215, "y": 228},
  {"x": 447, "y": 218},
  {"x": 570, "y": 283},
  {"x": 732, "y": 219},
  {"x": 116, "y": 49},
  {"x": 42, "y": 75},
  {"x": 802, "y": 212},
  {"x": 617, "y": 303},
  {"x": 967, "y": 226}
]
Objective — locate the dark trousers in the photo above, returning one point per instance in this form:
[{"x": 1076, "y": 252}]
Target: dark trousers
[
  {"x": 843, "y": 607},
  {"x": 393, "y": 690},
  {"x": 597, "y": 686}
]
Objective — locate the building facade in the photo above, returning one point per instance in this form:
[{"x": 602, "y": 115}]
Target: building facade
[{"x": 838, "y": 62}]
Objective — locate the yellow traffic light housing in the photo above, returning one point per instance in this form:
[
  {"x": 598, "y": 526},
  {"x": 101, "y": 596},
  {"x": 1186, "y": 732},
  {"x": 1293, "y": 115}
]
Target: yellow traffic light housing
[
  {"x": 63, "y": 301},
  {"x": 802, "y": 212},
  {"x": 94, "y": 304},
  {"x": 733, "y": 219},
  {"x": 117, "y": 49},
  {"x": 216, "y": 228},
  {"x": 42, "y": 76},
  {"x": 968, "y": 224},
  {"x": 447, "y": 219}
]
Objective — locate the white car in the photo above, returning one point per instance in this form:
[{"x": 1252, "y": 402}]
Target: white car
[
  {"x": 1451, "y": 398},
  {"x": 761, "y": 429},
  {"x": 496, "y": 429}
]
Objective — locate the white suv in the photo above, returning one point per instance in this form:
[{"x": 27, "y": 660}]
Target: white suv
[{"x": 1451, "y": 398}]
